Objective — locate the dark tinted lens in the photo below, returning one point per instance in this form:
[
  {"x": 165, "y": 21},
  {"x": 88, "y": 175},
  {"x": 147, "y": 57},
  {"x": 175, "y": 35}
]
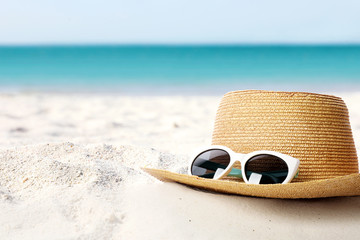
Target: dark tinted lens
[
  {"x": 207, "y": 163},
  {"x": 268, "y": 169}
]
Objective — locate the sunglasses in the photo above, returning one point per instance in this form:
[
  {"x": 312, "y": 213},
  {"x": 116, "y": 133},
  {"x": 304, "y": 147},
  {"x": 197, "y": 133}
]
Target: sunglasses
[{"x": 259, "y": 167}]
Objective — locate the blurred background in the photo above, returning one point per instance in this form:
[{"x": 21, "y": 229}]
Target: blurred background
[{"x": 179, "y": 47}]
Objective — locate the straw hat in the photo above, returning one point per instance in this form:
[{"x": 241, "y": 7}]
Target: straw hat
[{"x": 312, "y": 127}]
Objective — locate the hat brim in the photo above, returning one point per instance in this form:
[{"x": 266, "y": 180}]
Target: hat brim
[{"x": 348, "y": 185}]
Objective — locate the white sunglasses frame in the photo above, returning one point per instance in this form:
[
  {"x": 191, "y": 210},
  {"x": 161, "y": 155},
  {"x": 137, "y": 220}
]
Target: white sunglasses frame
[{"x": 292, "y": 163}]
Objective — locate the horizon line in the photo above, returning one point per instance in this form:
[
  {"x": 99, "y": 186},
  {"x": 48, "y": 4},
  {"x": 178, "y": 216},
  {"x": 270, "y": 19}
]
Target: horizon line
[{"x": 179, "y": 44}]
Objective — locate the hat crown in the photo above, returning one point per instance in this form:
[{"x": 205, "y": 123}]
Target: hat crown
[{"x": 314, "y": 128}]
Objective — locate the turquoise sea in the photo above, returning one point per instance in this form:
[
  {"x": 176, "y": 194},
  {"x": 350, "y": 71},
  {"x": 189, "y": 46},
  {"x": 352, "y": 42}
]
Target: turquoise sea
[{"x": 179, "y": 69}]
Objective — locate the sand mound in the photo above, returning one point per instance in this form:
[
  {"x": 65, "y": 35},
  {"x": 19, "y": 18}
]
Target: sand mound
[
  {"x": 30, "y": 168},
  {"x": 64, "y": 188}
]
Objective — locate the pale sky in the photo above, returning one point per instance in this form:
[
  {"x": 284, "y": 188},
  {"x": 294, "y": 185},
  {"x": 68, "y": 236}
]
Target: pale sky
[{"x": 179, "y": 22}]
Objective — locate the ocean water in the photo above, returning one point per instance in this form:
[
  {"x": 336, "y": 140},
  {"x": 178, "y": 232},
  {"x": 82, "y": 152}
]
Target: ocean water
[{"x": 180, "y": 69}]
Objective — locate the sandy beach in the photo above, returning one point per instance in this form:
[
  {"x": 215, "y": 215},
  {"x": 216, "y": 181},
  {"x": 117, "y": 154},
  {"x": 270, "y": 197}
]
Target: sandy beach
[{"x": 70, "y": 168}]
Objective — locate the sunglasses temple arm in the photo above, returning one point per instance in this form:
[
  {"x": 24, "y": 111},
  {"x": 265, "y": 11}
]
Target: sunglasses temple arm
[
  {"x": 235, "y": 173},
  {"x": 297, "y": 173}
]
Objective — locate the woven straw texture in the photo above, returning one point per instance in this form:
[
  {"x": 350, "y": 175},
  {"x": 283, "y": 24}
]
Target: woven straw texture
[
  {"x": 339, "y": 186},
  {"x": 312, "y": 127}
]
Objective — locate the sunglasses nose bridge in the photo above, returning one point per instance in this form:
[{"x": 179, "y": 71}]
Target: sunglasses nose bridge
[
  {"x": 237, "y": 160},
  {"x": 239, "y": 157}
]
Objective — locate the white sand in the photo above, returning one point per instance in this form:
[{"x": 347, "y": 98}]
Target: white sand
[{"x": 70, "y": 169}]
